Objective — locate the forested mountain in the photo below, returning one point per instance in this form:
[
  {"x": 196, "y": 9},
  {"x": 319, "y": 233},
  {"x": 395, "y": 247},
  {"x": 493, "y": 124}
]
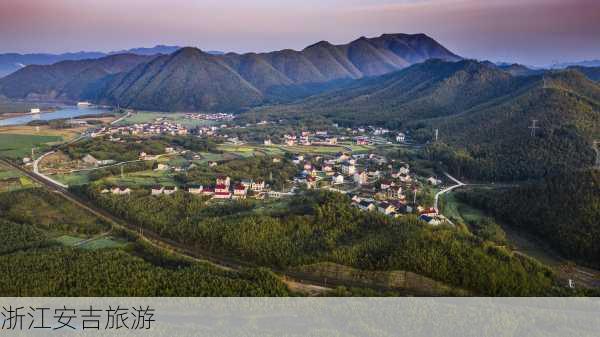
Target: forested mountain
[
  {"x": 563, "y": 209},
  {"x": 477, "y": 107},
  {"x": 11, "y": 62},
  {"x": 431, "y": 89},
  {"x": 67, "y": 79},
  {"x": 593, "y": 73},
  {"x": 194, "y": 80},
  {"x": 498, "y": 140}
]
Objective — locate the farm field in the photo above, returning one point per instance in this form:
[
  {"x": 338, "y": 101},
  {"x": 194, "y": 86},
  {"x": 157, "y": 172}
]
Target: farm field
[
  {"x": 147, "y": 116},
  {"x": 73, "y": 179},
  {"x": 20, "y": 145},
  {"x": 11, "y": 180}
]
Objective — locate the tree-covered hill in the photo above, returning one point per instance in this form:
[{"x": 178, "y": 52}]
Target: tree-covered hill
[
  {"x": 477, "y": 107},
  {"x": 190, "y": 79},
  {"x": 563, "y": 209}
]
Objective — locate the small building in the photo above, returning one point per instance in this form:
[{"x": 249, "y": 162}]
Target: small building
[
  {"x": 276, "y": 160},
  {"x": 169, "y": 150},
  {"x": 385, "y": 184},
  {"x": 311, "y": 182},
  {"x": 331, "y": 141},
  {"x": 221, "y": 188},
  {"x": 400, "y": 137},
  {"x": 361, "y": 178},
  {"x": 394, "y": 192},
  {"x": 223, "y": 180},
  {"x": 169, "y": 190},
  {"x": 120, "y": 190},
  {"x": 208, "y": 191},
  {"x": 35, "y": 110},
  {"x": 240, "y": 192},
  {"x": 162, "y": 167},
  {"x": 195, "y": 189},
  {"x": 222, "y": 195},
  {"x": 432, "y": 220},
  {"x": 386, "y": 208},
  {"x": 348, "y": 169},
  {"x": 268, "y": 142},
  {"x": 212, "y": 163},
  {"x": 366, "y": 206},
  {"x": 337, "y": 179},
  {"x": 433, "y": 181},
  {"x": 157, "y": 190},
  {"x": 258, "y": 186}
]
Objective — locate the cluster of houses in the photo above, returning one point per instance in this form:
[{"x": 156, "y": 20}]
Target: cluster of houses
[
  {"x": 363, "y": 177},
  {"x": 160, "y": 126},
  {"x": 224, "y": 189},
  {"x": 307, "y": 138},
  {"x": 210, "y": 117}
]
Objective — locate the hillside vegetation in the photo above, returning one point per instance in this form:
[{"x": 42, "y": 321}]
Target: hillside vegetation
[{"x": 563, "y": 209}]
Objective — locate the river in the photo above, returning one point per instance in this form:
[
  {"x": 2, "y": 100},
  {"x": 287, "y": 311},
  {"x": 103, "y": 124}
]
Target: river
[{"x": 63, "y": 112}]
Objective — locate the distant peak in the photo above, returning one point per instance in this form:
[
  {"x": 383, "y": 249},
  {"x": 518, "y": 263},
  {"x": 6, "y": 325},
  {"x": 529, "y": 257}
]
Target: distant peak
[
  {"x": 320, "y": 44},
  {"x": 188, "y": 51}
]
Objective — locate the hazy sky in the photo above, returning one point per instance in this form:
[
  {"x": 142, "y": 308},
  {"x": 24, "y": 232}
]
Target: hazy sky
[{"x": 528, "y": 31}]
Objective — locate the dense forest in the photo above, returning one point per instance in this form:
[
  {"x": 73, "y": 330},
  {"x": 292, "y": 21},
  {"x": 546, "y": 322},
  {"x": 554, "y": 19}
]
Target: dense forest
[
  {"x": 323, "y": 227},
  {"x": 563, "y": 209},
  {"x": 32, "y": 263},
  {"x": 72, "y": 272}
]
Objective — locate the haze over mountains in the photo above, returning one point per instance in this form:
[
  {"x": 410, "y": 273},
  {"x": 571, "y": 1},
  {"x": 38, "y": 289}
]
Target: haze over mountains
[
  {"x": 11, "y": 62},
  {"x": 190, "y": 79}
]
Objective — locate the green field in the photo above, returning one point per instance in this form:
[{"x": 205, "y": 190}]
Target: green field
[
  {"x": 147, "y": 116},
  {"x": 73, "y": 179},
  {"x": 12, "y": 180},
  {"x": 142, "y": 178},
  {"x": 313, "y": 149},
  {"x": 458, "y": 211},
  {"x": 17, "y": 146}
]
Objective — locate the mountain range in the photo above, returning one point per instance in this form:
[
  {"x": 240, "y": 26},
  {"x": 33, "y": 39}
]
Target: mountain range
[
  {"x": 477, "y": 107},
  {"x": 11, "y": 62},
  {"x": 191, "y": 79}
]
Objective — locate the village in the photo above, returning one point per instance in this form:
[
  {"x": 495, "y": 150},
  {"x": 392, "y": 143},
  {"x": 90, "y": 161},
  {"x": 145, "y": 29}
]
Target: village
[{"x": 373, "y": 182}]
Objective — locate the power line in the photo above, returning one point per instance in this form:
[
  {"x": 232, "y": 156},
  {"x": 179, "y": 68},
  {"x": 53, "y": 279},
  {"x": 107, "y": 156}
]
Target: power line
[{"x": 597, "y": 149}]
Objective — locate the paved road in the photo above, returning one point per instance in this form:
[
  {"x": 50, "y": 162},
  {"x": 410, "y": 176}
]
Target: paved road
[{"x": 446, "y": 190}]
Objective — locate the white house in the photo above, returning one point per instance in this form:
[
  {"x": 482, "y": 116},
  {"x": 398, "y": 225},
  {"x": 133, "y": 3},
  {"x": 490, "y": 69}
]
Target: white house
[
  {"x": 348, "y": 169},
  {"x": 433, "y": 181},
  {"x": 120, "y": 190},
  {"x": 400, "y": 137},
  {"x": 239, "y": 192},
  {"x": 169, "y": 190},
  {"x": 361, "y": 178},
  {"x": 222, "y": 180},
  {"x": 258, "y": 186},
  {"x": 158, "y": 190},
  {"x": 196, "y": 189},
  {"x": 337, "y": 179},
  {"x": 162, "y": 167}
]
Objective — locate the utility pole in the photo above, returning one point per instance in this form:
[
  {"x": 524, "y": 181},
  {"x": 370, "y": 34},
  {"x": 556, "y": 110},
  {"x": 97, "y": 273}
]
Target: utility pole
[
  {"x": 533, "y": 127},
  {"x": 437, "y": 134},
  {"x": 597, "y": 149}
]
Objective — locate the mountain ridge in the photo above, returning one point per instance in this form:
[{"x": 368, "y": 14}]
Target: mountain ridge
[{"x": 233, "y": 81}]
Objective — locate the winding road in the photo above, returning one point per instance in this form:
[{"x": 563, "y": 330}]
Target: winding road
[{"x": 446, "y": 190}]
